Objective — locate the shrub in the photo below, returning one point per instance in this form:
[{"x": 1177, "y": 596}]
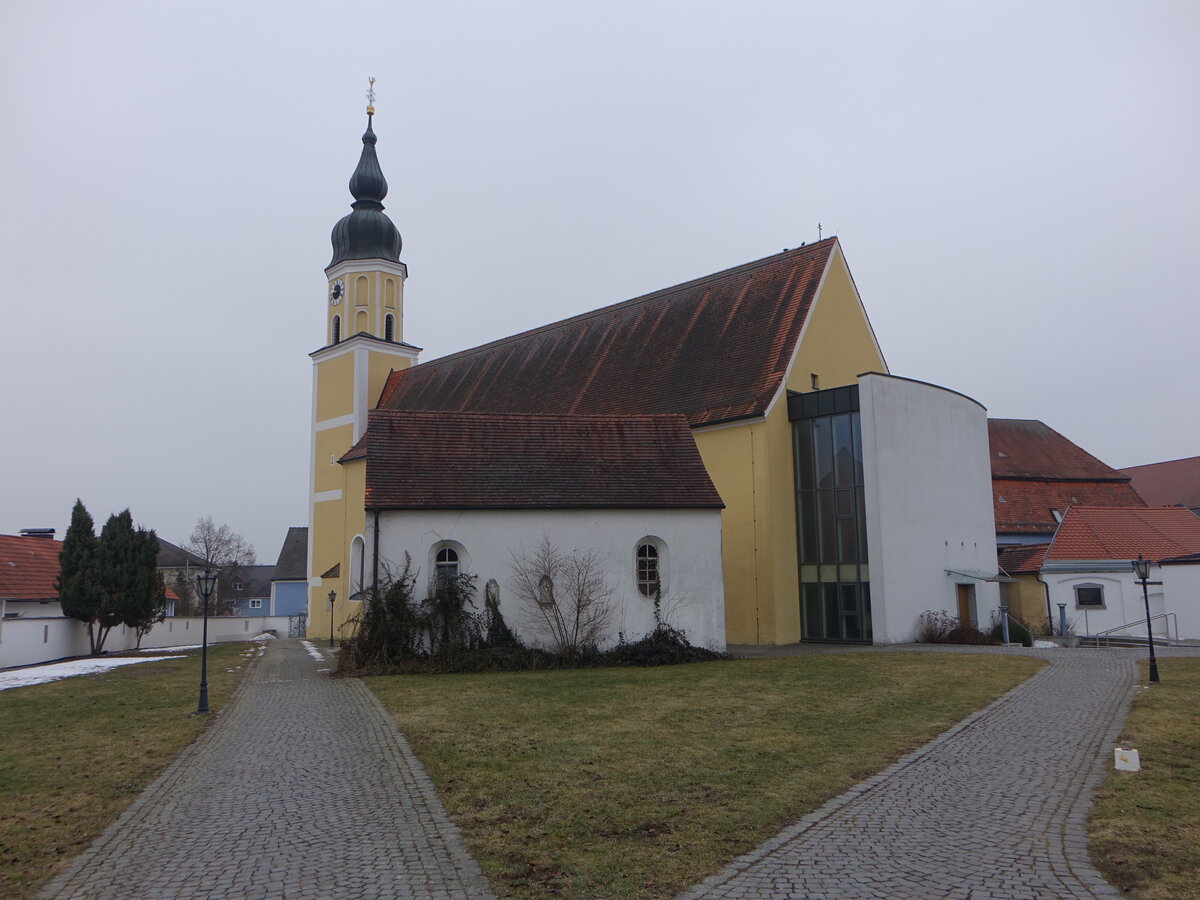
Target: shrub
[
  {"x": 935, "y": 626},
  {"x": 1018, "y": 633}
]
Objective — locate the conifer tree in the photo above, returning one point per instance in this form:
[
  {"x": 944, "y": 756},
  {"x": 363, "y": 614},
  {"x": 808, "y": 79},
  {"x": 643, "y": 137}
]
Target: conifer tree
[
  {"x": 117, "y": 572},
  {"x": 77, "y": 587},
  {"x": 146, "y": 603}
]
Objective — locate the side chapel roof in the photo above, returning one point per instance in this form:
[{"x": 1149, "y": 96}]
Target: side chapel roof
[
  {"x": 714, "y": 349},
  {"x": 1092, "y": 533},
  {"x": 439, "y": 460}
]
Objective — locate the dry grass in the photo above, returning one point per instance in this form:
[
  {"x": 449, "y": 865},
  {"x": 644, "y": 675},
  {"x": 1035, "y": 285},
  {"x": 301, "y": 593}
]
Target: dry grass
[
  {"x": 74, "y": 754},
  {"x": 639, "y": 782},
  {"x": 1145, "y": 827}
]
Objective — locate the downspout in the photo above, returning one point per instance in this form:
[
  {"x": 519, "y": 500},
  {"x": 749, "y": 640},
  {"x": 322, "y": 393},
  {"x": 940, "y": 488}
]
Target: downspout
[
  {"x": 375, "y": 558},
  {"x": 1049, "y": 611}
]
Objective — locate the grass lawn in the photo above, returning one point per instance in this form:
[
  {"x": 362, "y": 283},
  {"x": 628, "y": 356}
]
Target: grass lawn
[
  {"x": 74, "y": 753},
  {"x": 1145, "y": 826},
  {"x": 640, "y": 782}
]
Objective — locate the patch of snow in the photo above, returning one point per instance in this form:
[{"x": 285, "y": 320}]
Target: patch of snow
[
  {"x": 263, "y": 637},
  {"x": 1045, "y": 645},
  {"x": 171, "y": 649},
  {"x": 313, "y": 651},
  {"x": 57, "y": 671}
]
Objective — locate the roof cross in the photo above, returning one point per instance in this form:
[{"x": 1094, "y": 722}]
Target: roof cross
[{"x": 371, "y": 96}]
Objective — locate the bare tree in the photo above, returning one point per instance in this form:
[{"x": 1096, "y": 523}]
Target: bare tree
[
  {"x": 228, "y": 552},
  {"x": 564, "y": 596}
]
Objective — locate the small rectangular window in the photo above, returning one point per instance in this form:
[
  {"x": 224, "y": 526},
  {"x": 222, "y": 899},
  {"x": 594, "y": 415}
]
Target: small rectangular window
[
  {"x": 1089, "y": 595},
  {"x": 256, "y": 604}
]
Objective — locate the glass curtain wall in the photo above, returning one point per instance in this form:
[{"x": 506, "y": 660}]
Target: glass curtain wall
[{"x": 835, "y": 590}]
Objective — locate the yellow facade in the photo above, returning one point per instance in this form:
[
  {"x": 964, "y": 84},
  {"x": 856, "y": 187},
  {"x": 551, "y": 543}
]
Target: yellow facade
[
  {"x": 348, "y": 377},
  {"x": 1026, "y": 599},
  {"x": 752, "y": 467}
]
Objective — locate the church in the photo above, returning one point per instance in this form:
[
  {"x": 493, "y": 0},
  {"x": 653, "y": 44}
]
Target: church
[{"x": 735, "y": 442}]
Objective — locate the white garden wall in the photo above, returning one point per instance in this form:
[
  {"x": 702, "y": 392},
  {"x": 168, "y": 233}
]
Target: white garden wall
[
  {"x": 1124, "y": 607},
  {"x": 930, "y": 522},
  {"x": 693, "y": 595},
  {"x": 26, "y": 641}
]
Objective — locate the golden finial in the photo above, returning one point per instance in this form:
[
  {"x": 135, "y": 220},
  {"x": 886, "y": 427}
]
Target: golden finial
[{"x": 371, "y": 96}]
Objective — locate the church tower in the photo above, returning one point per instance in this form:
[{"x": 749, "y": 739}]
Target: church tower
[{"x": 363, "y": 344}]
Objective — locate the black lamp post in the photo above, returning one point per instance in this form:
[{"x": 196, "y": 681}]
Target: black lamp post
[
  {"x": 1141, "y": 568},
  {"x": 332, "y": 597},
  {"x": 207, "y": 581}
]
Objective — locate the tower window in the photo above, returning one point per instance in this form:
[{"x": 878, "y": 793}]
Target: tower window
[
  {"x": 337, "y": 329},
  {"x": 389, "y": 327}
]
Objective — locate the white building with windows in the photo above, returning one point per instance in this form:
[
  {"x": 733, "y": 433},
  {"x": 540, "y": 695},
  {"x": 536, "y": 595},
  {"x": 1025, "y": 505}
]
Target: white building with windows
[
  {"x": 1088, "y": 567},
  {"x": 472, "y": 493}
]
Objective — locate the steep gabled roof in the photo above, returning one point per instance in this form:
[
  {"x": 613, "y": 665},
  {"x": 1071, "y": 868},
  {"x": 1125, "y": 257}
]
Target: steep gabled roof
[
  {"x": 28, "y": 568},
  {"x": 171, "y": 556},
  {"x": 1027, "y": 448},
  {"x": 1027, "y": 507},
  {"x": 439, "y": 460},
  {"x": 1095, "y": 533},
  {"x": 292, "y": 564},
  {"x": 714, "y": 349},
  {"x": 1171, "y": 483}
]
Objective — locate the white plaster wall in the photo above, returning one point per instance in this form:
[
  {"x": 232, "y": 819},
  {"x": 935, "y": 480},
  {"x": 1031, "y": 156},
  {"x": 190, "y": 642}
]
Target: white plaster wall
[
  {"x": 693, "y": 593},
  {"x": 27, "y": 641},
  {"x": 1124, "y": 605},
  {"x": 928, "y": 484}
]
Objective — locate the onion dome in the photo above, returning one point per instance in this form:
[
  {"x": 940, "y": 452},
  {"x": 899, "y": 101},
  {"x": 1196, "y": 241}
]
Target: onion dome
[{"x": 367, "y": 232}]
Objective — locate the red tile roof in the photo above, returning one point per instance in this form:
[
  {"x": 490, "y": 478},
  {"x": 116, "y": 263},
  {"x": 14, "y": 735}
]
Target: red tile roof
[
  {"x": 1024, "y": 507},
  {"x": 1095, "y": 533},
  {"x": 1021, "y": 559},
  {"x": 437, "y": 460},
  {"x": 1027, "y": 448},
  {"x": 1172, "y": 483},
  {"x": 28, "y": 568},
  {"x": 714, "y": 349}
]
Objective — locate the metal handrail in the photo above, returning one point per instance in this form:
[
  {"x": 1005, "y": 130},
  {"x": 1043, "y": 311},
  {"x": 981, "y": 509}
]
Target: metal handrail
[{"x": 1109, "y": 632}]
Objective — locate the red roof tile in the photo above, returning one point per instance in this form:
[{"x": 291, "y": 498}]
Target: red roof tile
[
  {"x": 714, "y": 349},
  {"x": 1024, "y": 507},
  {"x": 436, "y": 460},
  {"x": 1027, "y": 448},
  {"x": 28, "y": 568},
  {"x": 1095, "y": 533},
  {"x": 1172, "y": 483},
  {"x": 1021, "y": 559}
]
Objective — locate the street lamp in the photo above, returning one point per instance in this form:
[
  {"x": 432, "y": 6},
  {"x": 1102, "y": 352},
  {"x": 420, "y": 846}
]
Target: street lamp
[
  {"x": 332, "y": 597},
  {"x": 1141, "y": 568},
  {"x": 207, "y": 581}
]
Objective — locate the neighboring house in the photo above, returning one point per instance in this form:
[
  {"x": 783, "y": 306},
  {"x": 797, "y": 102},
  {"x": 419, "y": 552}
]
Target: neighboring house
[
  {"x": 250, "y": 591},
  {"x": 851, "y": 502},
  {"x": 179, "y": 569},
  {"x": 289, "y": 584},
  {"x": 1037, "y": 475},
  {"x": 29, "y": 575},
  {"x": 1172, "y": 483},
  {"x": 1088, "y": 567},
  {"x": 1025, "y": 594}
]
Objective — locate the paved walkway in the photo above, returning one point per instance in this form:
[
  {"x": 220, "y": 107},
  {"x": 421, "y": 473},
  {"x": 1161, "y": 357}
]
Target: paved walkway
[
  {"x": 303, "y": 788},
  {"x": 996, "y": 807}
]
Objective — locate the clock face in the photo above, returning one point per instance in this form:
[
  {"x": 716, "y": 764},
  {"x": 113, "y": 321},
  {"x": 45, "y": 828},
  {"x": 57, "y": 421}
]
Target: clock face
[{"x": 335, "y": 292}]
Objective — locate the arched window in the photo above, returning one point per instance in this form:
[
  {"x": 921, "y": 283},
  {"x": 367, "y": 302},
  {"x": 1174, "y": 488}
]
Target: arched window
[
  {"x": 446, "y": 564},
  {"x": 647, "y": 571},
  {"x": 360, "y": 322},
  {"x": 358, "y": 564},
  {"x": 389, "y": 327},
  {"x": 337, "y": 330},
  {"x": 362, "y": 291},
  {"x": 389, "y": 293}
]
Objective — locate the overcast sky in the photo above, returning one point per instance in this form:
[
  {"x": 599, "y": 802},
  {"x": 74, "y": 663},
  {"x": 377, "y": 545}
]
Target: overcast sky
[{"x": 1016, "y": 187}]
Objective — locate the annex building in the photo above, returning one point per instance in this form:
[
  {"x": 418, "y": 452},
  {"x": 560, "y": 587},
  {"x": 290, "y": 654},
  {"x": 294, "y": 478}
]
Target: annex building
[{"x": 736, "y": 441}]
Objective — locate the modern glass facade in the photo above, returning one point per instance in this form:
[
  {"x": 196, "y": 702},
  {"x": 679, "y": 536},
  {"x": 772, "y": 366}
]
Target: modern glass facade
[{"x": 835, "y": 589}]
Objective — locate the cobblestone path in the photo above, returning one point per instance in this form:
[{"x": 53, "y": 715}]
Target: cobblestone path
[
  {"x": 996, "y": 807},
  {"x": 303, "y": 788}
]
